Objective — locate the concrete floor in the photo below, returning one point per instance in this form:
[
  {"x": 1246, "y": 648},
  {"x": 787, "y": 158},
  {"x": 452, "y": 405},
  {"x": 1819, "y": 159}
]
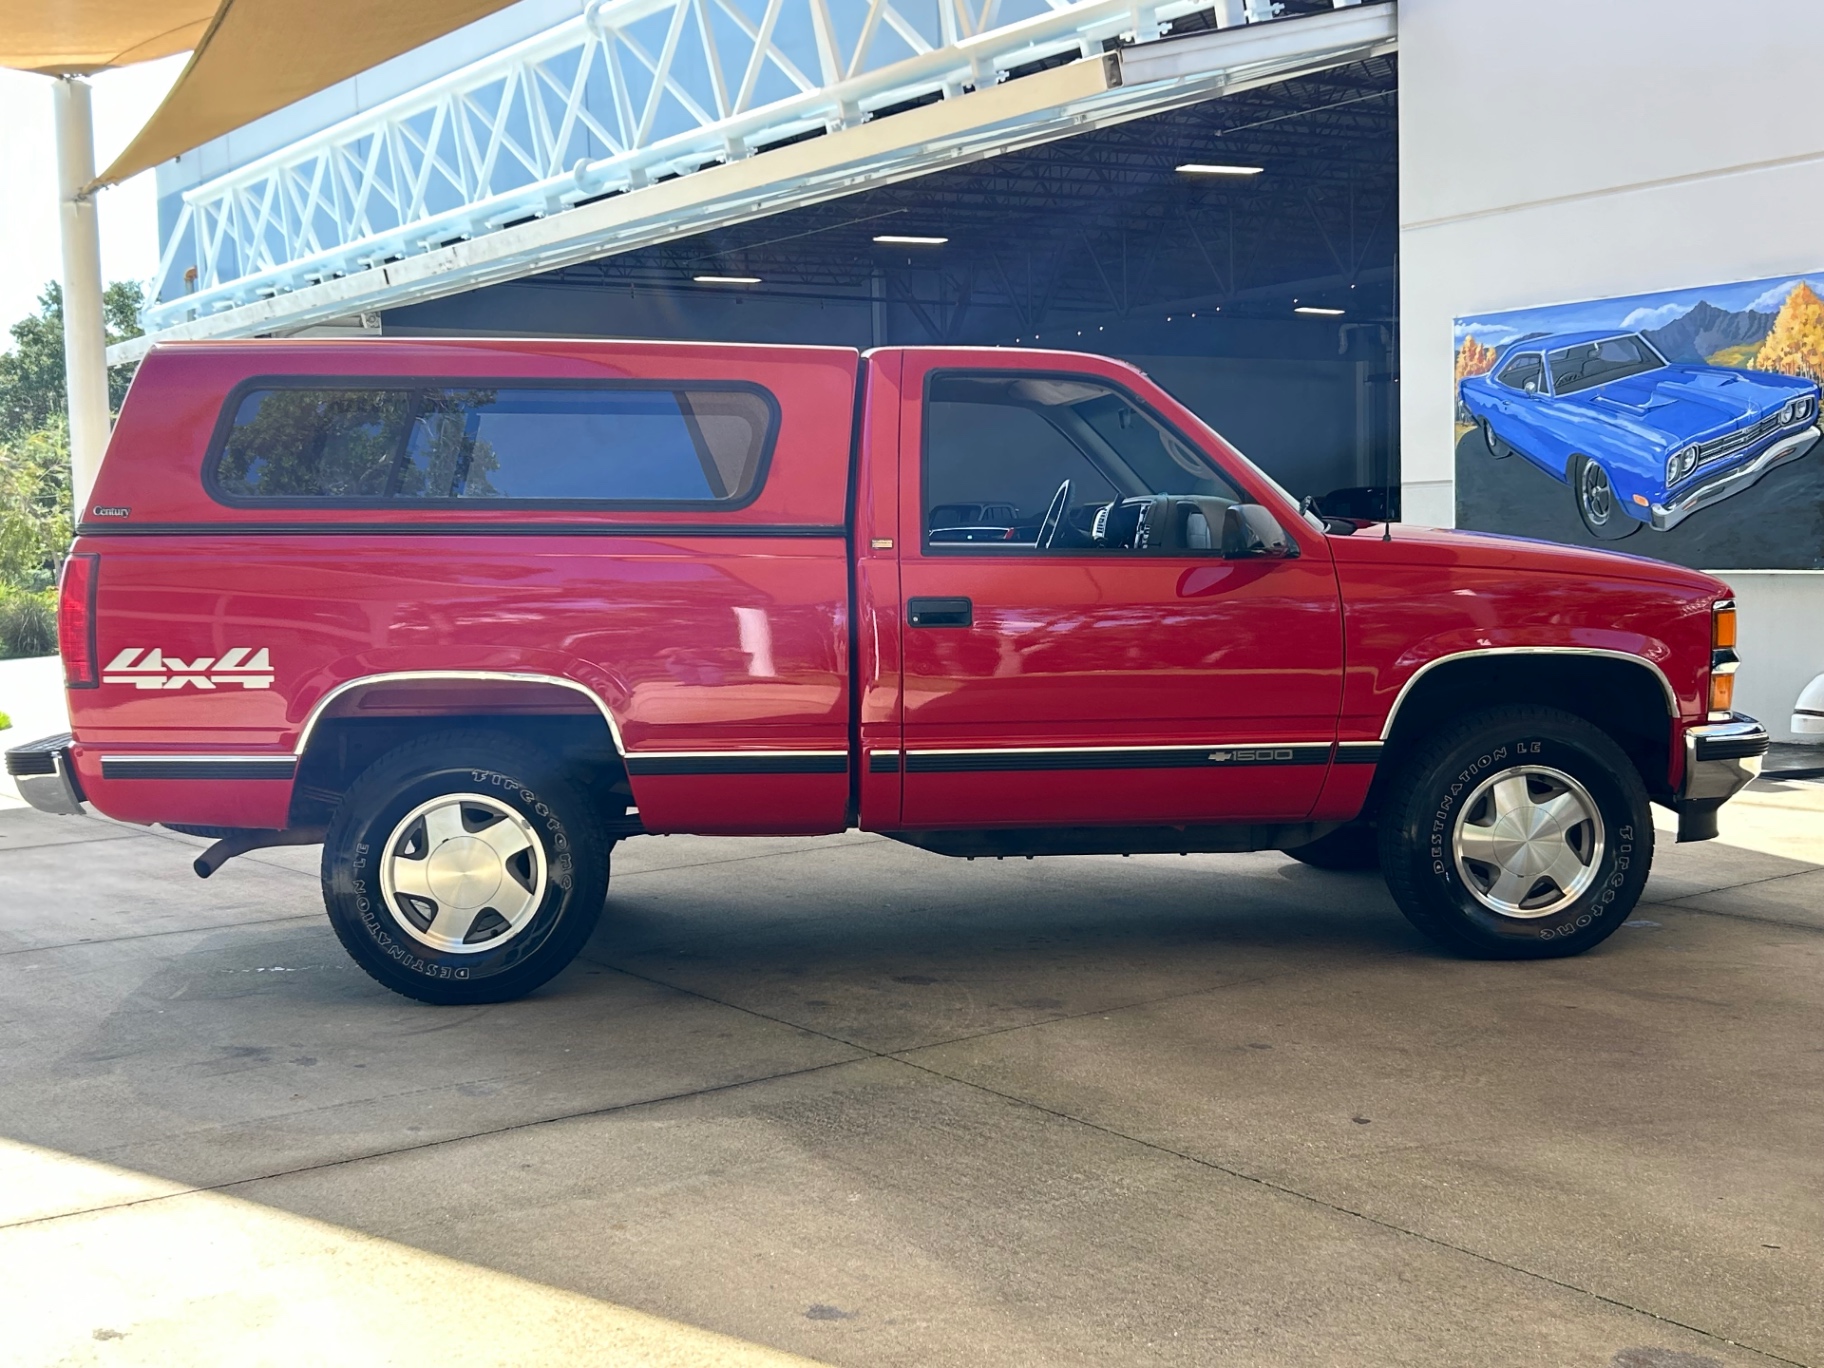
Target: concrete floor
[{"x": 841, "y": 1099}]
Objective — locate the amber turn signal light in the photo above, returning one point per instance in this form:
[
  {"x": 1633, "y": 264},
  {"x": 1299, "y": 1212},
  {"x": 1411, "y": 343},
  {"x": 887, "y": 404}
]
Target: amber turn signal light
[
  {"x": 1722, "y": 627},
  {"x": 1722, "y": 692}
]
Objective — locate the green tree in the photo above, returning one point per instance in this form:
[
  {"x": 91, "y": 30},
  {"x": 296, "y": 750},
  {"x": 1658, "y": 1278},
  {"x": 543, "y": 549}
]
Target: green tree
[
  {"x": 35, "y": 434},
  {"x": 31, "y": 372}
]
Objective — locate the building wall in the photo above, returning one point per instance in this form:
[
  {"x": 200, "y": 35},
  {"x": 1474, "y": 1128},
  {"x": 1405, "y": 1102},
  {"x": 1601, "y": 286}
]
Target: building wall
[{"x": 1561, "y": 150}]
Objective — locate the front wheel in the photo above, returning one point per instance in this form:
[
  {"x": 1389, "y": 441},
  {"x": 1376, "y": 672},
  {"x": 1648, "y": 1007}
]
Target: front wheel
[
  {"x": 1597, "y": 502},
  {"x": 1518, "y": 833},
  {"x": 463, "y": 868}
]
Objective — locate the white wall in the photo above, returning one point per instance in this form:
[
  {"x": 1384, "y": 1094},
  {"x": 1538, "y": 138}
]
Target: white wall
[{"x": 1560, "y": 150}]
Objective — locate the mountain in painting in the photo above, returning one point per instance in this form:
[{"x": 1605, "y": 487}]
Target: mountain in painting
[{"x": 1703, "y": 330}]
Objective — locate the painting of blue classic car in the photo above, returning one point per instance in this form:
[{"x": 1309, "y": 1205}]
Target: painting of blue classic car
[{"x": 1641, "y": 441}]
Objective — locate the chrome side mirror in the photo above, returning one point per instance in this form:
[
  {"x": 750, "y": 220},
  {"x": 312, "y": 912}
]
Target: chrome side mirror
[{"x": 1250, "y": 532}]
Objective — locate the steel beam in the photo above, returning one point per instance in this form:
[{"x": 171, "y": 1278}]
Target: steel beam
[{"x": 649, "y": 189}]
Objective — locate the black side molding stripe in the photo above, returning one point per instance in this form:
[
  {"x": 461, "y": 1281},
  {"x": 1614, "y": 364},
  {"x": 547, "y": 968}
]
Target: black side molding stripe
[
  {"x": 458, "y": 529},
  {"x": 1142, "y": 757},
  {"x": 196, "y": 767},
  {"x": 828, "y": 762},
  {"x": 883, "y": 762},
  {"x": 1359, "y": 752}
]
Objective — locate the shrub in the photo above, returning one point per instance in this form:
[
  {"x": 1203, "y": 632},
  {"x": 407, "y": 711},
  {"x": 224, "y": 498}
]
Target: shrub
[{"x": 28, "y": 625}]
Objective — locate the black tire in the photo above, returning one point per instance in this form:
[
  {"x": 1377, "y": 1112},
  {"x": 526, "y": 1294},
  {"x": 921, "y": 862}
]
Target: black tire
[
  {"x": 1445, "y": 787},
  {"x": 1497, "y": 448},
  {"x": 554, "y": 905},
  {"x": 1352, "y": 847},
  {"x": 1597, "y": 502}
]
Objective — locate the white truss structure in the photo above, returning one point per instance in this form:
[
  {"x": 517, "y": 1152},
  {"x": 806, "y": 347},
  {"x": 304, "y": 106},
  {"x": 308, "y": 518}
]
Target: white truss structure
[{"x": 593, "y": 123}]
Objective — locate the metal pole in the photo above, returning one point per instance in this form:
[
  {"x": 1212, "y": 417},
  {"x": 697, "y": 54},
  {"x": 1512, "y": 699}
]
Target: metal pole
[{"x": 85, "y": 342}]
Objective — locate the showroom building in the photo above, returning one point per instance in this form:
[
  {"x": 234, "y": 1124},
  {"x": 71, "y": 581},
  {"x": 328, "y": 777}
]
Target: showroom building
[{"x": 1349, "y": 235}]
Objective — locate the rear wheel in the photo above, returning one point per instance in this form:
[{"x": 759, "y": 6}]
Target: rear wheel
[
  {"x": 1597, "y": 502},
  {"x": 462, "y": 868},
  {"x": 1518, "y": 833},
  {"x": 1497, "y": 448}
]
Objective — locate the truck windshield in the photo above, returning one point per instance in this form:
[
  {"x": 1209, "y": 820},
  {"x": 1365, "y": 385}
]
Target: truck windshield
[{"x": 1596, "y": 363}]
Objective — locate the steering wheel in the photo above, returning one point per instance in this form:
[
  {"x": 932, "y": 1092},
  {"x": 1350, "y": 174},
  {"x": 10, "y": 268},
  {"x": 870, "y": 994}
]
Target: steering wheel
[{"x": 1054, "y": 517}]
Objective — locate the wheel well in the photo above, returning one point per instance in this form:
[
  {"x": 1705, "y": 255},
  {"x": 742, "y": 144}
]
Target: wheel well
[
  {"x": 1625, "y": 700},
  {"x": 358, "y": 727}
]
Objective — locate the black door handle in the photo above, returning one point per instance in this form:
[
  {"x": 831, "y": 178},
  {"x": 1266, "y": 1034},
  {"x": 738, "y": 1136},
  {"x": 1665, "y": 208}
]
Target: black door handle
[{"x": 940, "y": 612}]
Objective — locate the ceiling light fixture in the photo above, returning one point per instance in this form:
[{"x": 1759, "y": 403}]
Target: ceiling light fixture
[
  {"x": 726, "y": 280},
  {"x": 1321, "y": 313},
  {"x": 910, "y": 240},
  {"x": 1218, "y": 169}
]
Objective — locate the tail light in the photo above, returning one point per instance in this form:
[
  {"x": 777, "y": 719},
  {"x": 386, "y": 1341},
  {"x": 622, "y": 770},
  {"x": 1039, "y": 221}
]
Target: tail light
[
  {"x": 1723, "y": 659},
  {"x": 76, "y": 621}
]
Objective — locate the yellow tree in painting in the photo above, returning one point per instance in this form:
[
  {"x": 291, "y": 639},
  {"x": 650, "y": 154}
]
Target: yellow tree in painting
[
  {"x": 1796, "y": 344},
  {"x": 1473, "y": 358}
]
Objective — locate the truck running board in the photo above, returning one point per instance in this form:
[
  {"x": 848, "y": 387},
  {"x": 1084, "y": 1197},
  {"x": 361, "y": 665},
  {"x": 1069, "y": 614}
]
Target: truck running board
[{"x": 1224, "y": 839}]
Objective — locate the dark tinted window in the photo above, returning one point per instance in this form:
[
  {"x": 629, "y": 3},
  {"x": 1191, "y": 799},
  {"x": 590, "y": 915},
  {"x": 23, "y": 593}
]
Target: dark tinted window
[
  {"x": 1523, "y": 371},
  {"x": 1597, "y": 363},
  {"x": 566, "y": 443},
  {"x": 309, "y": 443},
  {"x": 999, "y": 448}
]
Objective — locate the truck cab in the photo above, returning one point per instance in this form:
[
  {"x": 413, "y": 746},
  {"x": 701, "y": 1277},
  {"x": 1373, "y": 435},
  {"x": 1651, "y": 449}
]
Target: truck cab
[{"x": 469, "y": 613}]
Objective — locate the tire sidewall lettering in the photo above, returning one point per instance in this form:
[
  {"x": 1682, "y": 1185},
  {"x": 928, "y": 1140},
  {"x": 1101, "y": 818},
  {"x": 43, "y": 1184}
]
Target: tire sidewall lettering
[{"x": 1435, "y": 831}]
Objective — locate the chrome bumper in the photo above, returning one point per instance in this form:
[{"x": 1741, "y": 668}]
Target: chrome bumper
[
  {"x": 43, "y": 775},
  {"x": 1671, "y": 513},
  {"x": 1721, "y": 759}
]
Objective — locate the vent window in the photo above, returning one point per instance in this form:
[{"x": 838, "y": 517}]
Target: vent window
[{"x": 481, "y": 445}]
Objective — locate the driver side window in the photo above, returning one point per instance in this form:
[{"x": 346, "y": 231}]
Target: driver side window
[{"x": 1023, "y": 464}]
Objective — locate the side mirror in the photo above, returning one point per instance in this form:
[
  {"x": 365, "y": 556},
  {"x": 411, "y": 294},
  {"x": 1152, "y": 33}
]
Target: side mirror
[{"x": 1250, "y": 532}]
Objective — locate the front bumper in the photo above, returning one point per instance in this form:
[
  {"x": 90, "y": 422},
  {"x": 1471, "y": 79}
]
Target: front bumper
[
  {"x": 1674, "y": 511},
  {"x": 45, "y": 777},
  {"x": 1721, "y": 759}
]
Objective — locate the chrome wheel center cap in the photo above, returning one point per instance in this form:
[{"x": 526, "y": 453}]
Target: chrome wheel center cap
[
  {"x": 464, "y": 872},
  {"x": 1528, "y": 841}
]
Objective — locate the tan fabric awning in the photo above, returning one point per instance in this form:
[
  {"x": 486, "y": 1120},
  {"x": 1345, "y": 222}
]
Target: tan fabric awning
[
  {"x": 71, "y": 37},
  {"x": 249, "y": 58}
]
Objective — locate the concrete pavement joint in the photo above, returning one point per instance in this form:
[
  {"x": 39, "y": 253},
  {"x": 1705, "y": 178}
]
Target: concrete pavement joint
[
  {"x": 392, "y": 1152},
  {"x": 154, "y": 935},
  {"x": 1266, "y": 1183},
  {"x": 1391, "y": 1226}
]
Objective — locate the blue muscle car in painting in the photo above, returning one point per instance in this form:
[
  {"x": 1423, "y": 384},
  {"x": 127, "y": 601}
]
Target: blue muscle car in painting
[{"x": 1641, "y": 441}]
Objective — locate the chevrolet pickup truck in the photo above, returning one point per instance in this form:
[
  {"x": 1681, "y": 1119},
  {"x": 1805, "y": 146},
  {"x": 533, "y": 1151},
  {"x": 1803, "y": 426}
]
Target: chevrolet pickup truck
[{"x": 470, "y": 612}]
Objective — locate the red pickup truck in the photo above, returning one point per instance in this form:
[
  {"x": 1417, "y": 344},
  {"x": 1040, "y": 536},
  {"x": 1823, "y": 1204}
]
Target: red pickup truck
[{"x": 470, "y": 612}]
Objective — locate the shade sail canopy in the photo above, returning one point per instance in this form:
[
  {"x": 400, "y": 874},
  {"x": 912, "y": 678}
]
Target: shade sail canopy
[
  {"x": 70, "y": 37},
  {"x": 249, "y": 57}
]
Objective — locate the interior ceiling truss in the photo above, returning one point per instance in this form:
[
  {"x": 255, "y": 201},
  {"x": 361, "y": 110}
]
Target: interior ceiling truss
[
  {"x": 1097, "y": 225},
  {"x": 643, "y": 121}
]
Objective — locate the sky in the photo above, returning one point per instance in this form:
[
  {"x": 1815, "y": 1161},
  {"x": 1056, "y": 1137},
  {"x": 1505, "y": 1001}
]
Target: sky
[
  {"x": 29, "y": 253},
  {"x": 1632, "y": 312}
]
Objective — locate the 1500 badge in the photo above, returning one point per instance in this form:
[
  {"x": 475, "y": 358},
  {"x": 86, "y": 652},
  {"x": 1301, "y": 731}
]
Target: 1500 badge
[{"x": 145, "y": 668}]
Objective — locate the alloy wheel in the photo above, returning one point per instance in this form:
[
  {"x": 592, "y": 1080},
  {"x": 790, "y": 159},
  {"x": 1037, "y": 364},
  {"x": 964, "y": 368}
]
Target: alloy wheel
[
  {"x": 1528, "y": 842},
  {"x": 463, "y": 873}
]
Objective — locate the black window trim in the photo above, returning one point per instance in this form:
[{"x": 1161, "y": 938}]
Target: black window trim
[
  {"x": 1545, "y": 376},
  {"x": 1012, "y": 550},
  {"x": 412, "y": 384}
]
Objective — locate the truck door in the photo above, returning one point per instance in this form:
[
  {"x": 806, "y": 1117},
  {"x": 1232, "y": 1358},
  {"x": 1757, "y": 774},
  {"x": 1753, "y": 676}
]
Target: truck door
[{"x": 1076, "y": 651}]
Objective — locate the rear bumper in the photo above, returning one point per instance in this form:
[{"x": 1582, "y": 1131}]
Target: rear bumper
[
  {"x": 1721, "y": 759},
  {"x": 1674, "y": 511},
  {"x": 44, "y": 776}
]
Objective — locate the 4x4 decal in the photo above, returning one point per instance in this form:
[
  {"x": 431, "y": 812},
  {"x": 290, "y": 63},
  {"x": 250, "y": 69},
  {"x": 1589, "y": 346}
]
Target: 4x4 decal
[{"x": 152, "y": 669}]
